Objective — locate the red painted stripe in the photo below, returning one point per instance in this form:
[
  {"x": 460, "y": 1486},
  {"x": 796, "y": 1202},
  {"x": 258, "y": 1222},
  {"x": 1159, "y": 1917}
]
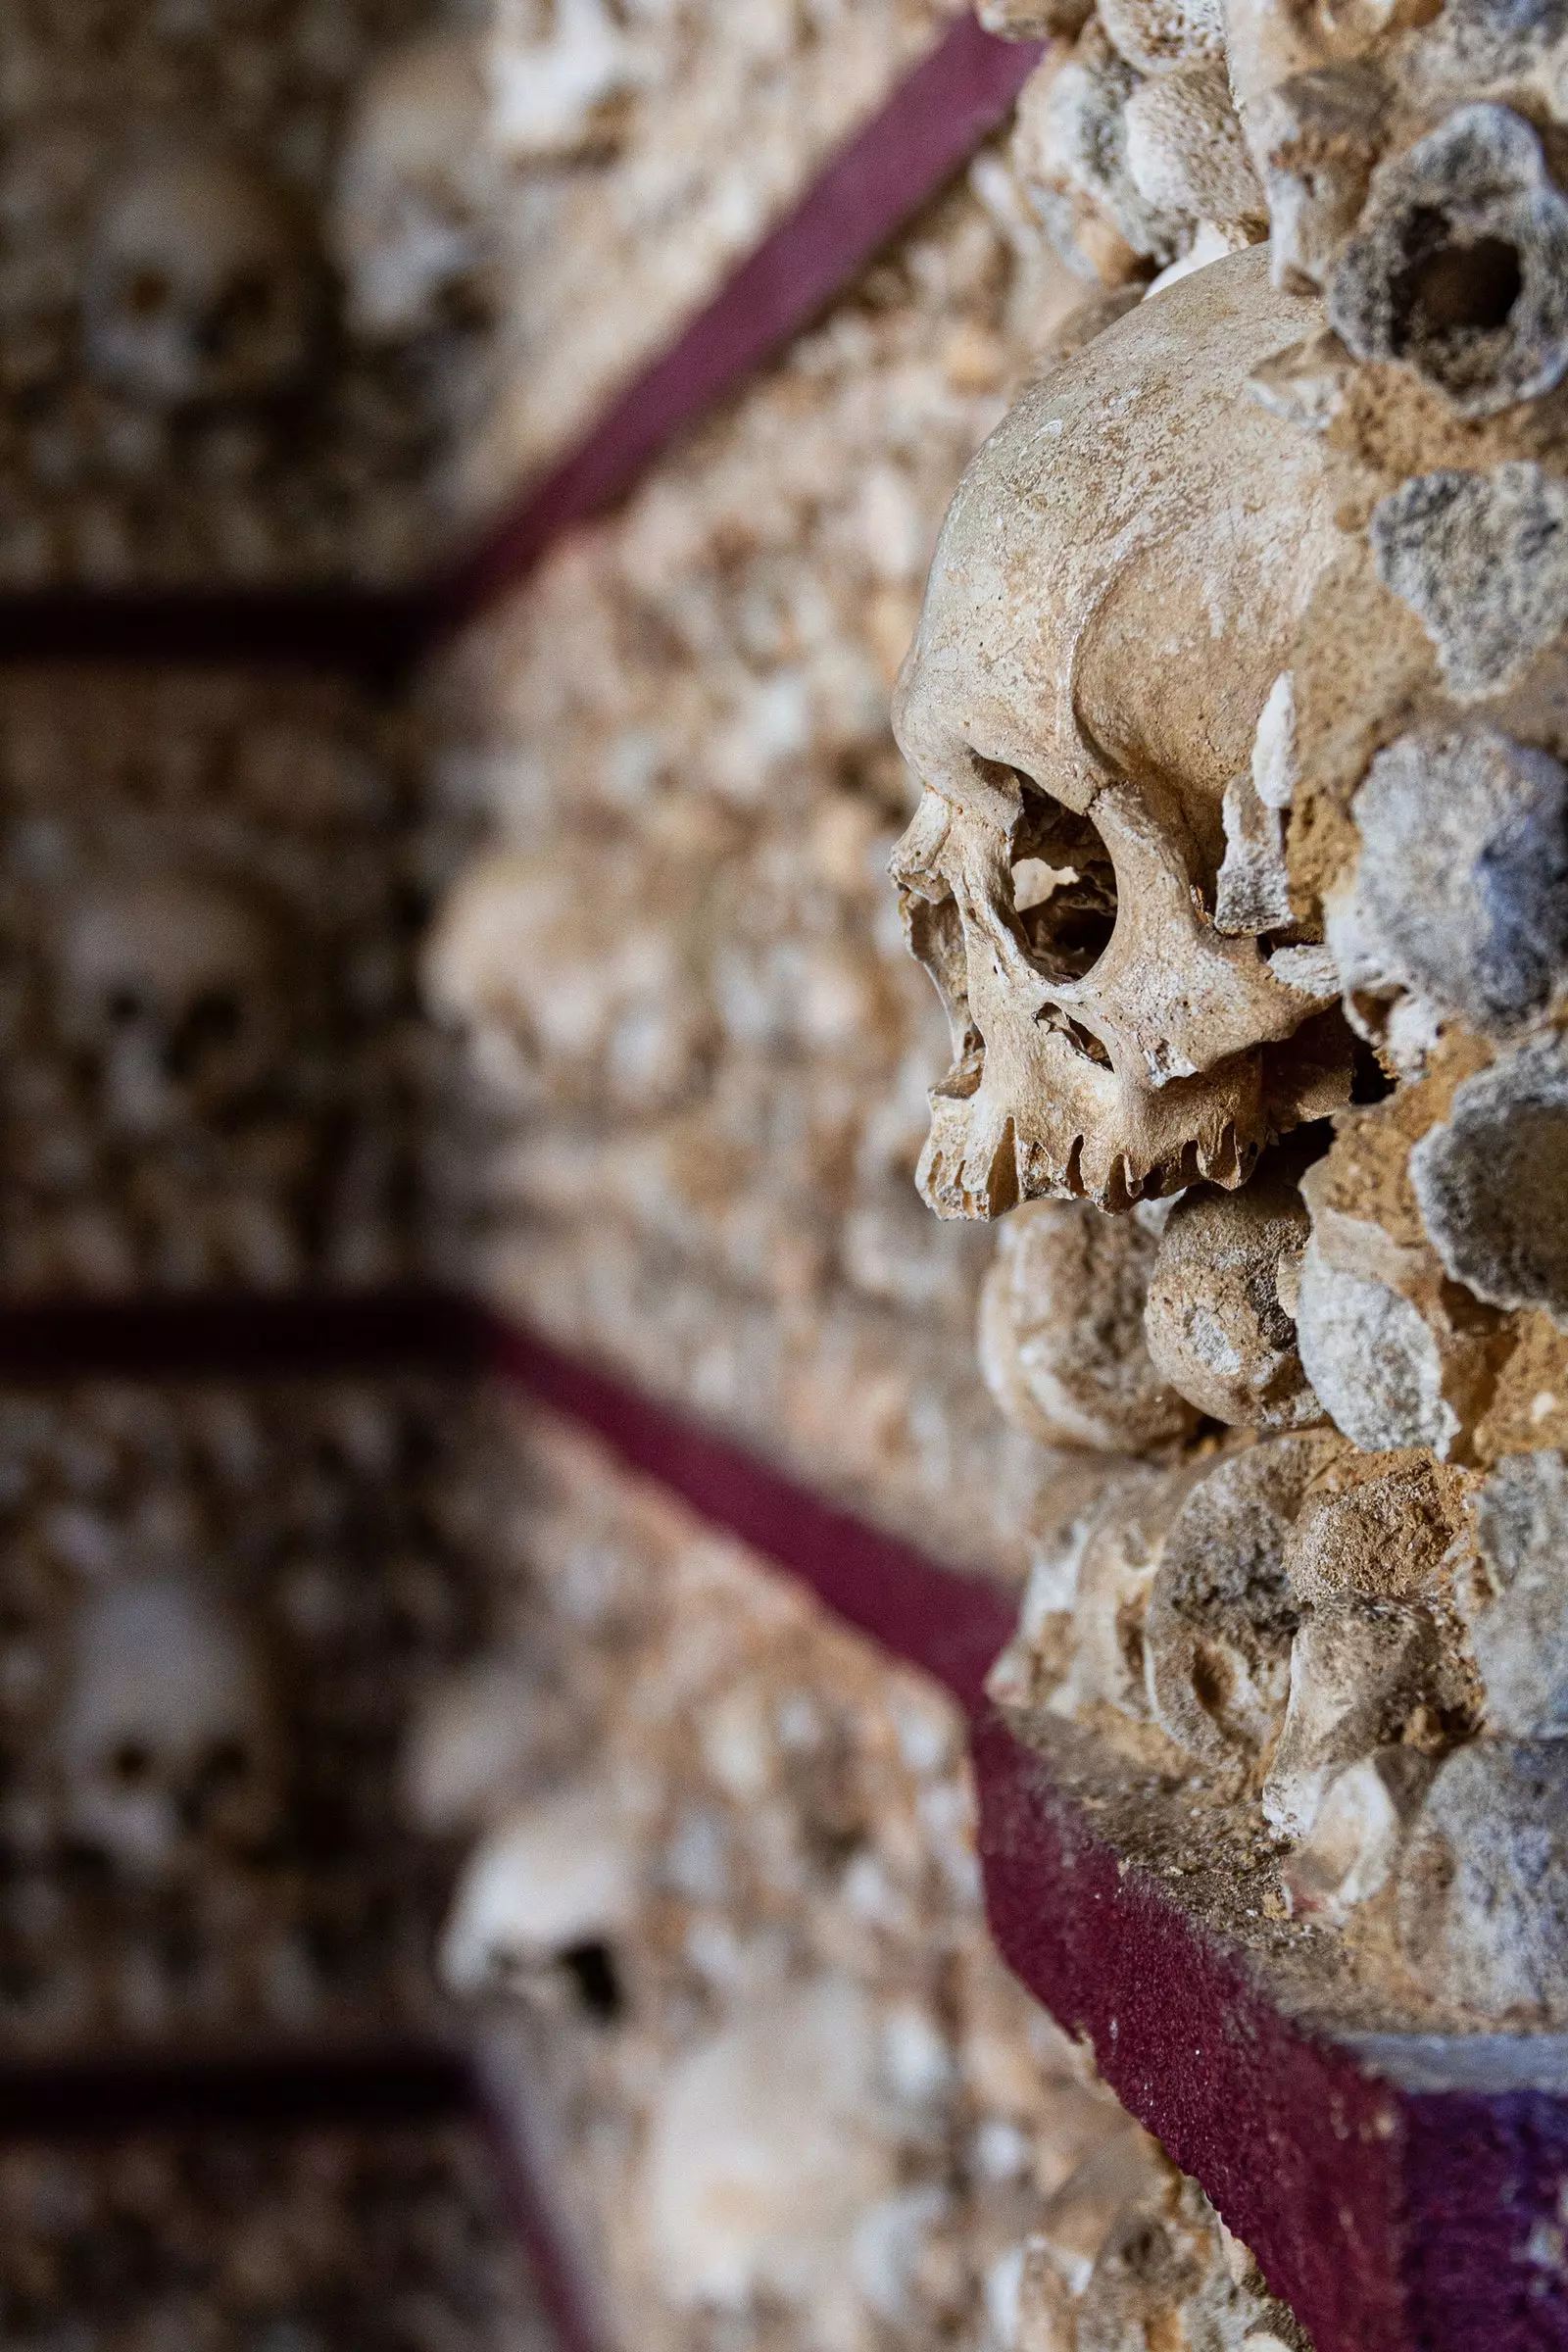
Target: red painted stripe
[
  {"x": 955, "y": 98},
  {"x": 949, "y": 1622},
  {"x": 930, "y": 126}
]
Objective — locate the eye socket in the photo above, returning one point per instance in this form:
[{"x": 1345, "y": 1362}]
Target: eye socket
[
  {"x": 1064, "y": 887},
  {"x": 214, "y": 1020},
  {"x": 148, "y": 294},
  {"x": 131, "y": 1762},
  {"x": 593, "y": 1971},
  {"x": 124, "y": 1007}
]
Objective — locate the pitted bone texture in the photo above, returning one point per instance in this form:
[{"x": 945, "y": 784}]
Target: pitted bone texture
[
  {"x": 1185, "y": 149},
  {"x": 1459, "y": 264},
  {"x": 1219, "y": 1328},
  {"x": 1517, "y": 1608},
  {"x": 1108, "y": 1041},
  {"x": 1221, "y": 1613},
  {"x": 1482, "y": 559},
  {"x": 1483, "y": 1891},
  {"x": 1061, "y": 1331},
  {"x": 1160, "y": 38},
  {"x": 1461, "y": 892},
  {"x": 1371, "y": 1358},
  {"x": 1490, "y": 1180}
]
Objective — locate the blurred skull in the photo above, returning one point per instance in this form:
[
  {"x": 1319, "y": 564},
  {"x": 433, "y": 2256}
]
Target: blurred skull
[
  {"x": 168, "y": 1743},
  {"x": 417, "y": 180},
  {"x": 200, "y": 284},
  {"x": 168, "y": 991}
]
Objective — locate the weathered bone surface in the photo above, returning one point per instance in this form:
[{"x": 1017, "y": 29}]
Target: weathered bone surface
[
  {"x": 1061, "y": 1332},
  {"x": 1059, "y": 880},
  {"x": 1220, "y": 1316}
]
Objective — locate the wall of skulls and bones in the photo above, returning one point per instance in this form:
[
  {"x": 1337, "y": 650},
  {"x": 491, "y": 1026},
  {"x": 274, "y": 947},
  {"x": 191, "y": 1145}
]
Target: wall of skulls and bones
[{"x": 1155, "y": 560}]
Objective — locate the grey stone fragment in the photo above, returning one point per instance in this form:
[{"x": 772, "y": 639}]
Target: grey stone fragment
[
  {"x": 1482, "y": 559},
  {"x": 1483, "y": 1897},
  {"x": 1491, "y": 1181},
  {"x": 1519, "y": 1620},
  {"x": 1460, "y": 264},
  {"x": 1462, "y": 890},
  {"x": 1371, "y": 1360}
]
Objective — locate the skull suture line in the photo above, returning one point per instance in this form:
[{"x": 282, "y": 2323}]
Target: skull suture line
[{"x": 1115, "y": 594}]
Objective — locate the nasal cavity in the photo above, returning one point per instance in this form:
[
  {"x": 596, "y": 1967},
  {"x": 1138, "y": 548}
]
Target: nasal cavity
[{"x": 1063, "y": 887}]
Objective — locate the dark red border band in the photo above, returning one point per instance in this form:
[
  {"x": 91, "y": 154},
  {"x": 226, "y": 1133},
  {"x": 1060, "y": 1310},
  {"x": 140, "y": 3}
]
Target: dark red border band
[
  {"x": 952, "y": 100},
  {"x": 930, "y": 126}
]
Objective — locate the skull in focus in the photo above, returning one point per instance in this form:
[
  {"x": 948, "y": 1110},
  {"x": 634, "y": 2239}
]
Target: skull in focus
[
  {"x": 169, "y": 995},
  {"x": 417, "y": 179},
  {"x": 1112, "y": 604},
  {"x": 201, "y": 284},
  {"x": 168, "y": 1743}
]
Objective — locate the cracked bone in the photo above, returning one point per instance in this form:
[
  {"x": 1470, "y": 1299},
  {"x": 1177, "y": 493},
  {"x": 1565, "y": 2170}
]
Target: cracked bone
[
  {"x": 169, "y": 1745},
  {"x": 415, "y": 190},
  {"x": 1061, "y": 1332},
  {"x": 1219, "y": 1315},
  {"x": 1108, "y": 1041},
  {"x": 200, "y": 283}
]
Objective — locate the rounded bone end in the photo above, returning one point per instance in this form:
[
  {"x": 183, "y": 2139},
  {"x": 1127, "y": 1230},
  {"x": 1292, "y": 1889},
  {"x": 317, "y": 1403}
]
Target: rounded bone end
[
  {"x": 1061, "y": 1332},
  {"x": 1219, "y": 1320}
]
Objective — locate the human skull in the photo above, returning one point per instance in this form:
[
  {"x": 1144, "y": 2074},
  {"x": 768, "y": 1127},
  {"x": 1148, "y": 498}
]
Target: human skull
[
  {"x": 200, "y": 284},
  {"x": 550, "y": 1879},
  {"x": 169, "y": 992},
  {"x": 417, "y": 179},
  {"x": 168, "y": 1744},
  {"x": 1105, "y": 621}
]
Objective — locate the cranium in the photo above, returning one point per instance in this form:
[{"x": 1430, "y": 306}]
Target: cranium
[
  {"x": 416, "y": 183},
  {"x": 551, "y": 1879},
  {"x": 170, "y": 993},
  {"x": 168, "y": 1744},
  {"x": 1112, "y": 602},
  {"x": 200, "y": 285}
]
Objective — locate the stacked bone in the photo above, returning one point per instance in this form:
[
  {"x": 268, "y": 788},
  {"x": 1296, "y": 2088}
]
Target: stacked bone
[
  {"x": 1128, "y": 143},
  {"x": 283, "y": 287},
  {"x": 725, "y": 1900},
  {"x": 300, "y": 2237},
  {"x": 676, "y": 971},
  {"x": 1281, "y": 725},
  {"x": 219, "y": 1608},
  {"x": 180, "y": 404},
  {"x": 214, "y": 1073}
]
